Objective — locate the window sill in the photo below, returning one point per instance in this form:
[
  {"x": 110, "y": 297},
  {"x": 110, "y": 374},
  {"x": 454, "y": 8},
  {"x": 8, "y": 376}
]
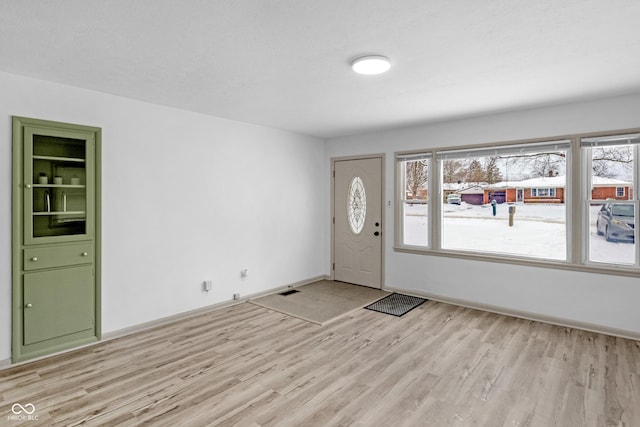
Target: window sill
[{"x": 528, "y": 262}]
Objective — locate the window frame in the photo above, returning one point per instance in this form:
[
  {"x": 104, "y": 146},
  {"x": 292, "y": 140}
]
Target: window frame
[
  {"x": 400, "y": 159},
  {"x": 575, "y": 195},
  {"x": 588, "y": 201},
  {"x": 550, "y": 190}
]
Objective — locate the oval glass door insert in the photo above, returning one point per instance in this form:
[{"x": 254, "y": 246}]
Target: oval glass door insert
[{"x": 356, "y": 205}]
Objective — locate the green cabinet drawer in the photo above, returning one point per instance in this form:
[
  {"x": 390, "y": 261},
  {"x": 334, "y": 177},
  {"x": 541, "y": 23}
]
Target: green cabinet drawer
[{"x": 59, "y": 256}]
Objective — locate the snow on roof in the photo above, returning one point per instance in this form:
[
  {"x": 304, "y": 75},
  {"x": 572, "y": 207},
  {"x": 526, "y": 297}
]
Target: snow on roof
[
  {"x": 540, "y": 182},
  {"x": 603, "y": 182},
  {"x": 460, "y": 186},
  {"x": 476, "y": 189},
  {"x": 557, "y": 182}
]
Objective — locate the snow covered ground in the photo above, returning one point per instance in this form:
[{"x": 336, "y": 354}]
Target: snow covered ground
[{"x": 538, "y": 231}]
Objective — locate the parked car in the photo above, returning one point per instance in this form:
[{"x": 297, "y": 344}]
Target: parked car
[
  {"x": 454, "y": 199},
  {"x": 616, "y": 222}
]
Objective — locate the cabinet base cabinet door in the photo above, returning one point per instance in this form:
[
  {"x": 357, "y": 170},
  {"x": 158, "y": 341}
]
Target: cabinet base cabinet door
[{"x": 58, "y": 303}]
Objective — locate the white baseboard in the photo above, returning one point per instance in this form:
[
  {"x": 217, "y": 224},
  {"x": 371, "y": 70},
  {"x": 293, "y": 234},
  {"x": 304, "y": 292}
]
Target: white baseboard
[
  {"x": 184, "y": 315},
  {"x": 6, "y": 363},
  {"x": 558, "y": 321}
]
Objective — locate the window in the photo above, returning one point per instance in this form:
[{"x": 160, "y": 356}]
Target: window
[
  {"x": 538, "y": 230},
  {"x": 414, "y": 190},
  {"x": 610, "y": 168},
  {"x": 543, "y": 192},
  {"x": 356, "y": 205},
  {"x": 570, "y": 202}
]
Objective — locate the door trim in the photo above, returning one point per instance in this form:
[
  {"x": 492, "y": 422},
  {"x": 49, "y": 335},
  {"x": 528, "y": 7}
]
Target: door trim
[{"x": 383, "y": 199}]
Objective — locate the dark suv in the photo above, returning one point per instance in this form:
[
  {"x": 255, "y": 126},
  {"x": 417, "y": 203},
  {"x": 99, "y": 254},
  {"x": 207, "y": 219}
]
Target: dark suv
[{"x": 616, "y": 221}]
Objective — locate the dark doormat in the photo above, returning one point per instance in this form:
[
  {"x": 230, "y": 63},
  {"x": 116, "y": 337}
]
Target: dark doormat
[
  {"x": 396, "y": 304},
  {"x": 292, "y": 291}
]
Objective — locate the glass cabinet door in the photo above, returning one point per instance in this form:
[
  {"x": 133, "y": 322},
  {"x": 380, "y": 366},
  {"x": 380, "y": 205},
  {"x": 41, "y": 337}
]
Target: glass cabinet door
[{"x": 58, "y": 176}]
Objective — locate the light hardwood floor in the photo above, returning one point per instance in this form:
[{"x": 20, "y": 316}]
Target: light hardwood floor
[{"x": 439, "y": 365}]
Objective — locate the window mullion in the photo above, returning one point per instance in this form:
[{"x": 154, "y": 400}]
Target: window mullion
[
  {"x": 636, "y": 180},
  {"x": 435, "y": 204},
  {"x": 400, "y": 184},
  {"x": 582, "y": 193}
]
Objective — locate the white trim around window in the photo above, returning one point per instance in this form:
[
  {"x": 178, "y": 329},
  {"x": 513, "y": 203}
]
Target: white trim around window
[
  {"x": 543, "y": 192},
  {"x": 578, "y": 206}
]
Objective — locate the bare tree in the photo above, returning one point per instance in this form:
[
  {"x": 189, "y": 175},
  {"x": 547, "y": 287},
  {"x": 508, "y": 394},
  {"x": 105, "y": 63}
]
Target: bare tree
[
  {"x": 547, "y": 164},
  {"x": 475, "y": 171},
  {"x": 453, "y": 171},
  {"x": 492, "y": 173},
  {"x": 612, "y": 162},
  {"x": 417, "y": 176}
]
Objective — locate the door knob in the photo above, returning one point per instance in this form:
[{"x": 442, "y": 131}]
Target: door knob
[
  {"x": 85, "y": 254},
  {"x": 377, "y": 233},
  {"x": 377, "y": 224},
  {"x": 34, "y": 259},
  {"x": 28, "y": 185},
  {"x": 29, "y": 305}
]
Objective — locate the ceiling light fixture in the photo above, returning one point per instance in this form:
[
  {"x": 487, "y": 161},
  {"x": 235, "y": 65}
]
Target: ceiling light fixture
[{"x": 372, "y": 64}]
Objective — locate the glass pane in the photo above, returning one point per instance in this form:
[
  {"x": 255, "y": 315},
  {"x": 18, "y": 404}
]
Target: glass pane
[
  {"x": 510, "y": 204},
  {"x": 612, "y": 210},
  {"x": 415, "y": 207},
  {"x": 59, "y": 186},
  {"x": 611, "y": 234},
  {"x": 416, "y": 219},
  {"x": 356, "y": 205}
]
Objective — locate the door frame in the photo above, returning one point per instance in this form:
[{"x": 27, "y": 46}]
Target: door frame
[{"x": 385, "y": 205}]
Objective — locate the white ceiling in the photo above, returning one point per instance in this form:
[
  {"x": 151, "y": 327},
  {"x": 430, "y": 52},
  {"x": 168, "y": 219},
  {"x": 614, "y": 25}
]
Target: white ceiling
[{"x": 285, "y": 63}]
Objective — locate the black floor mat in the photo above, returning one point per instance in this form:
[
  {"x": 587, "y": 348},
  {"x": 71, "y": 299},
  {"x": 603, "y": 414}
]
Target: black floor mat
[
  {"x": 396, "y": 304},
  {"x": 289, "y": 292}
]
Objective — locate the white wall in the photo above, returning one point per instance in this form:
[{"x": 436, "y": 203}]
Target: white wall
[
  {"x": 186, "y": 197},
  {"x": 610, "y": 302},
  {"x": 189, "y": 197}
]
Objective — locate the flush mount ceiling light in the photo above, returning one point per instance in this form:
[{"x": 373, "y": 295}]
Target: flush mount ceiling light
[{"x": 372, "y": 64}]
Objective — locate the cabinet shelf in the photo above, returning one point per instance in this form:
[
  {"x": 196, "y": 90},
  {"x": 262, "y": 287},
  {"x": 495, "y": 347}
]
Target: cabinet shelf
[
  {"x": 59, "y": 213},
  {"x": 58, "y": 186},
  {"x": 60, "y": 159}
]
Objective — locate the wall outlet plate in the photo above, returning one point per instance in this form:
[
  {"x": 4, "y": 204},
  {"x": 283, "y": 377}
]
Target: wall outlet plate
[{"x": 236, "y": 296}]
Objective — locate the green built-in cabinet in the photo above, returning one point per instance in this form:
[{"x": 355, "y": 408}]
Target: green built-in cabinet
[{"x": 56, "y": 237}]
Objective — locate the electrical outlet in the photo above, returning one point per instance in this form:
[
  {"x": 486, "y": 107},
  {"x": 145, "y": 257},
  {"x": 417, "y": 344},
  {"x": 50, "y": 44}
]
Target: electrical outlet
[{"x": 236, "y": 296}]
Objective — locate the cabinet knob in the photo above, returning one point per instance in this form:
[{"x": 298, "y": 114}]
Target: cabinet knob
[
  {"x": 34, "y": 259},
  {"x": 85, "y": 254},
  {"x": 28, "y": 185},
  {"x": 29, "y": 305}
]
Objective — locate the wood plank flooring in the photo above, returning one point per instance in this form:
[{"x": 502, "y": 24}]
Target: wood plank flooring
[{"x": 439, "y": 365}]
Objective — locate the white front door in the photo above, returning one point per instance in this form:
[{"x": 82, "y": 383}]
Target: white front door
[{"x": 358, "y": 221}]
